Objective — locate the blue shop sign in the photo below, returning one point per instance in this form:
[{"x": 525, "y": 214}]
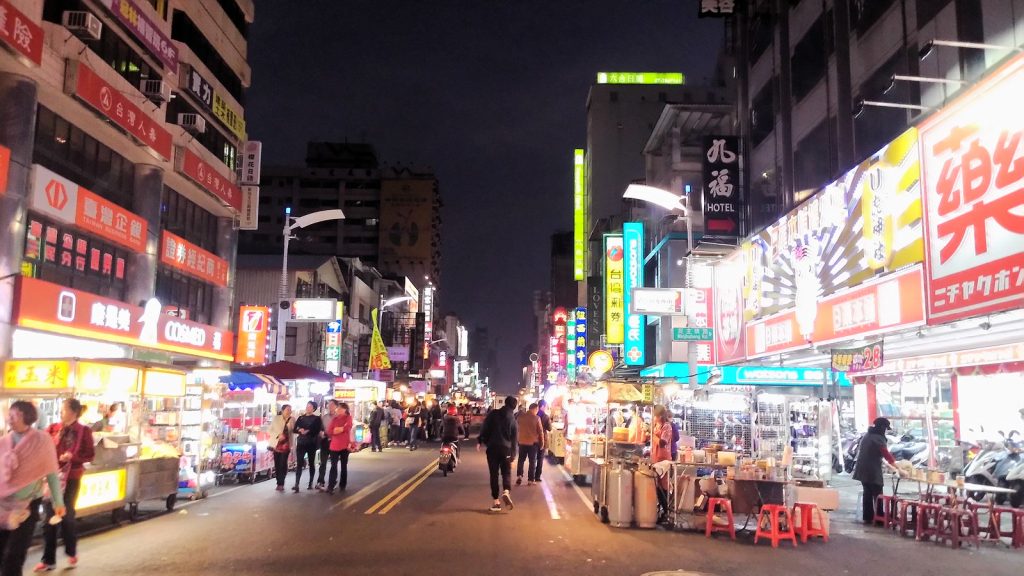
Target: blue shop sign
[{"x": 748, "y": 375}]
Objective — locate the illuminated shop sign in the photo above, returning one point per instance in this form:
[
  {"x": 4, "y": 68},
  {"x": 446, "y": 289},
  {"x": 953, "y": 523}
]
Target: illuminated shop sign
[
  {"x": 640, "y": 78},
  {"x": 145, "y": 30},
  {"x": 36, "y": 374},
  {"x": 730, "y": 336},
  {"x": 99, "y": 488},
  {"x": 633, "y": 254},
  {"x": 860, "y": 359},
  {"x": 253, "y": 326},
  {"x": 163, "y": 383},
  {"x": 314, "y": 310},
  {"x": 579, "y": 346},
  {"x": 186, "y": 257},
  {"x": 44, "y": 306},
  {"x": 199, "y": 171},
  {"x": 570, "y": 346},
  {"x": 973, "y": 183},
  {"x": 748, "y": 375},
  {"x": 614, "y": 291},
  {"x": 560, "y": 320},
  {"x": 658, "y": 301},
  {"x": 579, "y": 215},
  {"x": 428, "y": 318},
  {"x": 20, "y": 33}
]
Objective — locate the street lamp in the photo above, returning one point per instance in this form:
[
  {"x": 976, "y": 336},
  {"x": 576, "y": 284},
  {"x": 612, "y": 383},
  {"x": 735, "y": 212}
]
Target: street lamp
[
  {"x": 291, "y": 224},
  {"x": 670, "y": 201}
]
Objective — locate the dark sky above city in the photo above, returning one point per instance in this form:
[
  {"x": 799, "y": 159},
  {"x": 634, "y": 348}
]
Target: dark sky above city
[{"x": 489, "y": 93}]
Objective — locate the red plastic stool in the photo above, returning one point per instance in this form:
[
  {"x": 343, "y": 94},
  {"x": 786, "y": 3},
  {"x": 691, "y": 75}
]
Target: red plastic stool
[
  {"x": 993, "y": 525},
  {"x": 958, "y": 525},
  {"x": 888, "y": 516},
  {"x": 1018, "y": 530},
  {"x": 906, "y": 516},
  {"x": 769, "y": 524},
  {"x": 711, "y": 527},
  {"x": 927, "y": 521},
  {"x": 807, "y": 512}
]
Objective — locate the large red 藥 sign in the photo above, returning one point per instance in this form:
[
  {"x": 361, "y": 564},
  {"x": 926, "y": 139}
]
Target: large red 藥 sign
[{"x": 972, "y": 158}]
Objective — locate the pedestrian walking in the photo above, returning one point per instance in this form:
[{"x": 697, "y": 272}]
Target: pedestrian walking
[
  {"x": 326, "y": 415},
  {"x": 530, "y": 438},
  {"x": 307, "y": 434},
  {"x": 396, "y": 424},
  {"x": 466, "y": 420},
  {"x": 27, "y": 459},
  {"x": 435, "y": 421},
  {"x": 545, "y": 422},
  {"x": 414, "y": 421},
  {"x": 281, "y": 430},
  {"x": 868, "y": 469},
  {"x": 376, "y": 419},
  {"x": 499, "y": 434},
  {"x": 75, "y": 449},
  {"x": 341, "y": 440}
]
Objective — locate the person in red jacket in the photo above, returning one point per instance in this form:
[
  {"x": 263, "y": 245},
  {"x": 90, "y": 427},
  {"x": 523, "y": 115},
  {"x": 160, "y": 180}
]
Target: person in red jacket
[
  {"x": 340, "y": 431},
  {"x": 75, "y": 449}
]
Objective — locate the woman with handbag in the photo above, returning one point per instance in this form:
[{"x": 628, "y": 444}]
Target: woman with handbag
[
  {"x": 75, "y": 448},
  {"x": 340, "y": 431},
  {"x": 281, "y": 442}
]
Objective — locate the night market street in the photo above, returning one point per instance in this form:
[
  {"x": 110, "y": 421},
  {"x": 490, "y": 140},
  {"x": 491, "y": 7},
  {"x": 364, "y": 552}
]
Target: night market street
[{"x": 429, "y": 524}]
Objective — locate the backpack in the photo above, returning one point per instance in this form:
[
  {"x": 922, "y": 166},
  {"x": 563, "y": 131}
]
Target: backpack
[{"x": 675, "y": 440}]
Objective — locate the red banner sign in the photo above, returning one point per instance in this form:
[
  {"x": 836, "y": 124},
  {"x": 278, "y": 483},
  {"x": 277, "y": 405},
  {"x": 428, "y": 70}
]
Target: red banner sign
[
  {"x": 212, "y": 181},
  {"x": 21, "y": 34},
  {"x": 730, "y": 328},
  {"x": 68, "y": 202},
  {"x": 976, "y": 357},
  {"x": 44, "y": 306},
  {"x": 973, "y": 183},
  {"x": 185, "y": 256},
  {"x": 5, "y": 168},
  {"x": 253, "y": 323},
  {"x": 120, "y": 109},
  {"x": 894, "y": 302}
]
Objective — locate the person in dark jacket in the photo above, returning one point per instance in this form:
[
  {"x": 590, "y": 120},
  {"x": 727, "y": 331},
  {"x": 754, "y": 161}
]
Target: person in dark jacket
[
  {"x": 500, "y": 435},
  {"x": 451, "y": 429},
  {"x": 868, "y": 469},
  {"x": 376, "y": 419},
  {"x": 545, "y": 422},
  {"x": 307, "y": 431}
]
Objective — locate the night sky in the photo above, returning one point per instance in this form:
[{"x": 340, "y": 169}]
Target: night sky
[{"x": 491, "y": 94}]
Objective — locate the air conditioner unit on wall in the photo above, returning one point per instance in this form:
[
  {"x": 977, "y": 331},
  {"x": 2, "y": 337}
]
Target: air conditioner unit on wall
[
  {"x": 194, "y": 123},
  {"x": 157, "y": 91},
  {"x": 83, "y": 25}
]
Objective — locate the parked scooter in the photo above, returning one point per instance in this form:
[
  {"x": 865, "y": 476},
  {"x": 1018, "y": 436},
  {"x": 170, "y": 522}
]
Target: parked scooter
[
  {"x": 1015, "y": 481},
  {"x": 982, "y": 469}
]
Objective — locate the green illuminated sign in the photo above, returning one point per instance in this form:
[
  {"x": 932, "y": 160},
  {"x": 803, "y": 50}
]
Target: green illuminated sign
[
  {"x": 579, "y": 207},
  {"x": 692, "y": 334},
  {"x": 640, "y": 78}
]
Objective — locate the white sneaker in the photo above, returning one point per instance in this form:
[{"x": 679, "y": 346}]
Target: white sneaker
[{"x": 507, "y": 499}]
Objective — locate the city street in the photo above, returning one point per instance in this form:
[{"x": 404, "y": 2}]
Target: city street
[{"x": 400, "y": 516}]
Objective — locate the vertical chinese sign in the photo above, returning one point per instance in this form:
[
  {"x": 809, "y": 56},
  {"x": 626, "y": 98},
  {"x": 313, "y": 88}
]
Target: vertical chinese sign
[
  {"x": 614, "y": 296},
  {"x": 633, "y": 255},
  {"x": 253, "y": 324},
  {"x": 579, "y": 346},
  {"x": 579, "y": 215},
  {"x": 720, "y": 167},
  {"x": 570, "y": 351},
  {"x": 973, "y": 189}
]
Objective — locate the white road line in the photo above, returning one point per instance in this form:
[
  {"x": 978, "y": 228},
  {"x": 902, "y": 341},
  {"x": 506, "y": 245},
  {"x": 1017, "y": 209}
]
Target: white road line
[
  {"x": 586, "y": 499},
  {"x": 552, "y": 507},
  {"x": 369, "y": 489},
  {"x": 214, "y": 495}
]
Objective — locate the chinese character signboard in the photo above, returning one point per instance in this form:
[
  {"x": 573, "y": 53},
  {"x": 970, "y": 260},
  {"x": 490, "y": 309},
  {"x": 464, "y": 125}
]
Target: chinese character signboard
[
  {"x": 579, "y": 215},
  {"x": 118, "y": 107},
  {"x": 428, "y": 315},
  {"x": 228, "y": 116},
  {"x": 186, "y": 257},
  {"x": 579, "y": 346},
  {"x": 248, "y": 217},
  {"x": 209, "y": 179},
  {"x": 658, "y": 301},
  {"x": 718, "y": 8},
  {"x": 973, "y": 182},
  {"x": 692, "y": 334},
  {"x": 633, "y": 255},
  {"x": 332, "y": 347},
  {"x": 700, "y": 317},
  {"x": 253, "y": 325},
  {"x": 21, "y": 34},
  {"x": 614, "y": 294},
  {"x": 68, "y": 202},
  {"x": 860, "y": 359},
  {"x": 48, "y": 307},
  {"x": 675, "y": 78},
  {"x": 570, "y": 346},
  {"x": 36, "y": 374},
  {"x": 146, "y": 31},
  {"x": 720, "y": 168},
  {"x": 196, "y": 85},
  {"x": 595, "y": 303},
  {"x": 252, "y": 158},
  {"x": 559, "y": 327}
]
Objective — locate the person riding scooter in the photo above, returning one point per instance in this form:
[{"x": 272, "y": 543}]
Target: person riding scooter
[{"x": 451, "y": 429}]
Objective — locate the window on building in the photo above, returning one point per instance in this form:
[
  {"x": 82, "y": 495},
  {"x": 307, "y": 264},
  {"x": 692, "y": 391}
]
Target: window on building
[
  {"x": 212, "y": 139},
  {"x": 864, "y": 13},
  {"x": 70, "y": 152},
  {"x": 810, "y": 59},
  {"x": 60, "y": 254},
  {"x": 929, "y": 9},
  {"x": 236, "y": 16},
  {"x": 875, "y": 127},
  {"x": 188, "y": 220},
  {"x": 761, "y": 33},
  {"x": 184, "y": 30},
  {"x": 814, "y": 157},
  {"x": 185, "y": 292},
  {"x": 762, "y": 114},
  {"x": 291, "y": 339}
]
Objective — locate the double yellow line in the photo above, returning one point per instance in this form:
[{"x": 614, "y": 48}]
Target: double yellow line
[{"x": 388, "y": 502}]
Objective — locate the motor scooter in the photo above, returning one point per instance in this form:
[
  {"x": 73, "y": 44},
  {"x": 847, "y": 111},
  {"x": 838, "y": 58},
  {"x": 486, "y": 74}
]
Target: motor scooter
[
  {"x": 982, "y": 469},
  {"x": 448, "y": 458},
  {"x": 1015, "y": 481}
]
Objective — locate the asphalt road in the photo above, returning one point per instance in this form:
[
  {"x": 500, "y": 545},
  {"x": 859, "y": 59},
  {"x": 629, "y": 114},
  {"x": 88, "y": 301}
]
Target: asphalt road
[{"x": 393, "y": 521}]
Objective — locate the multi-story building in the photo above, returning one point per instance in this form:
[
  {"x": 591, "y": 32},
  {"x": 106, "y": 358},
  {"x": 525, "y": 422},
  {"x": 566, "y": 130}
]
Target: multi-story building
[
  {"x": 563, "y": 286},
  {"x": 122, "y": 126}
]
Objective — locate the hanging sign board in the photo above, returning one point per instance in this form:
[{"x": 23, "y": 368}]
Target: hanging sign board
[{"x": 859, "y": 359}]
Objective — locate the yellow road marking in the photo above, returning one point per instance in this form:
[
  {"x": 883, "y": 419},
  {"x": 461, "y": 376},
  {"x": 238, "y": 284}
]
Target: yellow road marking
[
  {"x": 423, "y": 476},
  {"x": 370, "y": 489},
  {"x": 384, "y": 500}
]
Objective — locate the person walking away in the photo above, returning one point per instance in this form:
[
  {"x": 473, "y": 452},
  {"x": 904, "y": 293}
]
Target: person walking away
[
  {"x": 545, "y": 423},
  {"x": 499, "y": 434},
  {"x": 436, "y": 421},
  {"x": 451, "y": 429},
  {"x": 868, "y": 469},
  {"x": 281, "y": 430},
  {"x": 530, "y": 437},
  {"x": 341, "y": 439},
  {"x": 75, "y": 449},
  {"x": 376, "y": 419},
  {"x": 27, "y": 459},
  {"x": 307, "y": 433},
  {"x": 326, "y": 415}
]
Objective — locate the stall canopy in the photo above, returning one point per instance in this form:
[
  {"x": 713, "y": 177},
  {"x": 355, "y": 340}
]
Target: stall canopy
[
  {"x": 285, "y": 370},
  {"x": 238, "y": 381}
]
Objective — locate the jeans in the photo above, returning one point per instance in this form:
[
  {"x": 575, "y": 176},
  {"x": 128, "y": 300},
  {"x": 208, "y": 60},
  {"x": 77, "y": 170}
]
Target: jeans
[
  {"x": 499, "y": 460},
  {"x": 375, "y": 439},
  {"x": 395, "y": 434},
  {"x": 14, "y": 543},
  {"x": 541, "y": 451},
  {"x": 305, "y": 452},
  {"x": 280, "y": 466},
  {"x": 67, "y": 527},
  {"x": 413, "y": 436},
  {"x": 869, "y": 509},
  {"x": 325, "y": 455},
  {"x": 528, "y": 451},
  {"x": 341, "y": 476}
]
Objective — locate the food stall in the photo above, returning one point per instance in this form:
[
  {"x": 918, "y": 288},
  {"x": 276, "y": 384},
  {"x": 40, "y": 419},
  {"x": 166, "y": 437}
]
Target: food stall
[
  {"x": 360, "y": 395},
  {"x": 201, "y": 432},
  {"x": 250, "y": 403}
]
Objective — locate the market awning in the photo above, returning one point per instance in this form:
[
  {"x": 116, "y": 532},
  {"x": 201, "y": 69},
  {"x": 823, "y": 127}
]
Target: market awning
[
  {"x": 285, "y": 370},
  {"x": 238, "y": 381}
]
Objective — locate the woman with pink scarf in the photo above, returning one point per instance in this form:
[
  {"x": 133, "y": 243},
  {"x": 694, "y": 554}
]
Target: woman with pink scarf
[{"x": 27, "y": 457}]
